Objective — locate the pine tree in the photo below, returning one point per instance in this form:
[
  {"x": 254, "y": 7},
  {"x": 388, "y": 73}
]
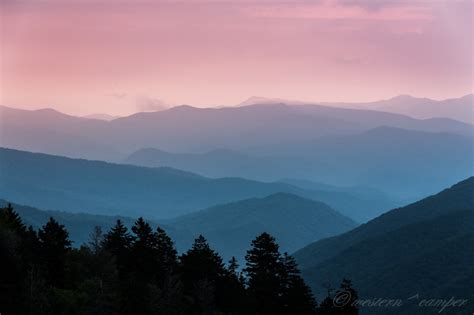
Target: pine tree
[
  {"x": 12, "y": 265},
  {"x": 118, "y": 242},
  {"x": 143, "y": 248},
  {"x": 167, "y": 256},
  {"x": 232, "y": 267},
  {"x": 10, "y": 219},
  {"x": 264, "y": 272},
  {"x": 54, "y": 245},
  {"x": 349, "y": 306},
  {"x": 202, "y": 271},
  {"x": 142, "y": 280},
  {"x": 233, "y": 294},
  {"x": 297, "y": 295}
]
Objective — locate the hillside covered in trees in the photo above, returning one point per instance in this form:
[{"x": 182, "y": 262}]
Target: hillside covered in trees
[{"x": 140, "y": 272}]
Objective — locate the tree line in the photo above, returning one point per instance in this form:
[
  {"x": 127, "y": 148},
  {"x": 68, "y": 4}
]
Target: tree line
[{"x": 140, "y": 272}]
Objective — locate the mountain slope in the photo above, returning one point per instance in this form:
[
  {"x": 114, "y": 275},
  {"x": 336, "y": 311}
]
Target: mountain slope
[
  {"x": 58, "y": 183},
  {"x": 426, "y": 248},
  {"x": 293, "y": 220},
  {"x": 458, "y": 197}
]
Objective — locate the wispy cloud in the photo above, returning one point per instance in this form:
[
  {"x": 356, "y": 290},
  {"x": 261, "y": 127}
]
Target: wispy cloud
[{"x": 330, "y": 10}]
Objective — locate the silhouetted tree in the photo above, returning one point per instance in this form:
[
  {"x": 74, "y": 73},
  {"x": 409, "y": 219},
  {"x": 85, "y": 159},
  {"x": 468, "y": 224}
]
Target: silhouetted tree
[
  {"x": 54, "y": 245},
  {"x": 201, "y": 271},
  {"x": 350, "y": 297},
  {"x": 297, "y": 296},
  {"x": 118, "y": 242},
  {"x": 12, "y": 265},
  {"x": 342, "y": 302},
  {"x": 167, "y": 256},
  {"x": 143, "y": 266},
  {"x": 234, "y": 296},
  {"x": 11, "y": 220},
  {"x": 264, "y": 273}
]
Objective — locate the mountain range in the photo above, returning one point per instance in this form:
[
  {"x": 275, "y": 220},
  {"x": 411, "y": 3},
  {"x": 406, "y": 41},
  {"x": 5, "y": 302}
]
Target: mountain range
[
  {"x": 75, "y": 185},
  {"x": 409, "y": 164},
  {"x": 264, "y": 142},
  {"x": 190, "y": 129},
  {"x": 461, "y": 108}
]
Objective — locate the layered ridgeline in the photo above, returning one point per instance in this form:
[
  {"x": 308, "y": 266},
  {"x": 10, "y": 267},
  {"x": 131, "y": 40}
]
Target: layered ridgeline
[
  {"x": 408, "y": 164},
  {"x": 424, "y": 250},
  {"x": 461, "y": 109},
  {"x": 344, "y": 147},
  {"x": 229, "y": 228},
  {"x": 188, "y": 129},
  {"x": 73, "y": 185}
]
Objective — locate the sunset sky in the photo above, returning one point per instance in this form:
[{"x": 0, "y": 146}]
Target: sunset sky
[{"x": 119, "y": 57}]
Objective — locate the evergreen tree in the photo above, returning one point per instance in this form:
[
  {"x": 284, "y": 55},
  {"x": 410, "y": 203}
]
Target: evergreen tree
[
  {"x": 167, "y": 256},
  {"x": 11, "y": 220},
  {"x": 233, "y": 267},
  {"x": 202, "y": 271},
  {"x": 54, "y": 245},
  {"x": 143, "y": 248},
  {"x": 12, "y": 265},
  {"x": 264, "y": 272},
  {"x": 342, "y": 302},
  {"x": 141, "y": 282},
  {"x": 298, "y": 298},
  {"x": 118, "y": 242},
  {"x": 233, "y": 294},
  {"x": 349, "y": 306}
]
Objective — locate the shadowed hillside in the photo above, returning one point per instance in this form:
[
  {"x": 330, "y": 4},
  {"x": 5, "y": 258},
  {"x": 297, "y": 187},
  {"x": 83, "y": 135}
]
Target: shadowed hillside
[{"x": 426, "y": 248}]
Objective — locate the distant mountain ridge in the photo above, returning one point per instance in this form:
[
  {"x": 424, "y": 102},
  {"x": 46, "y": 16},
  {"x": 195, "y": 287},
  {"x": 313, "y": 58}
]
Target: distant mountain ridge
[
  {"x": 461, "y": 109},
  {"x": 312, "y": 142},
  {"x": 190, "y": 129},
  {"x": 75, "y": 185}
]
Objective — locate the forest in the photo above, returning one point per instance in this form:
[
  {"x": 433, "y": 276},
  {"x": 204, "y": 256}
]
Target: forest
[{"x": 139, "y": 271}]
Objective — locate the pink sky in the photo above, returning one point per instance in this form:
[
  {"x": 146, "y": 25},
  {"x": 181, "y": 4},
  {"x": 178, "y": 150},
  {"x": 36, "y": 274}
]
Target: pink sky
[{"x": 119, "y": 57}]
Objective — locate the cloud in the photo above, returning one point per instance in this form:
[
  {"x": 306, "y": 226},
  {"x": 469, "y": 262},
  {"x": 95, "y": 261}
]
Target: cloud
[
  {"x": 331, "y": 10},
  {"x": 147, "y": 104}
]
